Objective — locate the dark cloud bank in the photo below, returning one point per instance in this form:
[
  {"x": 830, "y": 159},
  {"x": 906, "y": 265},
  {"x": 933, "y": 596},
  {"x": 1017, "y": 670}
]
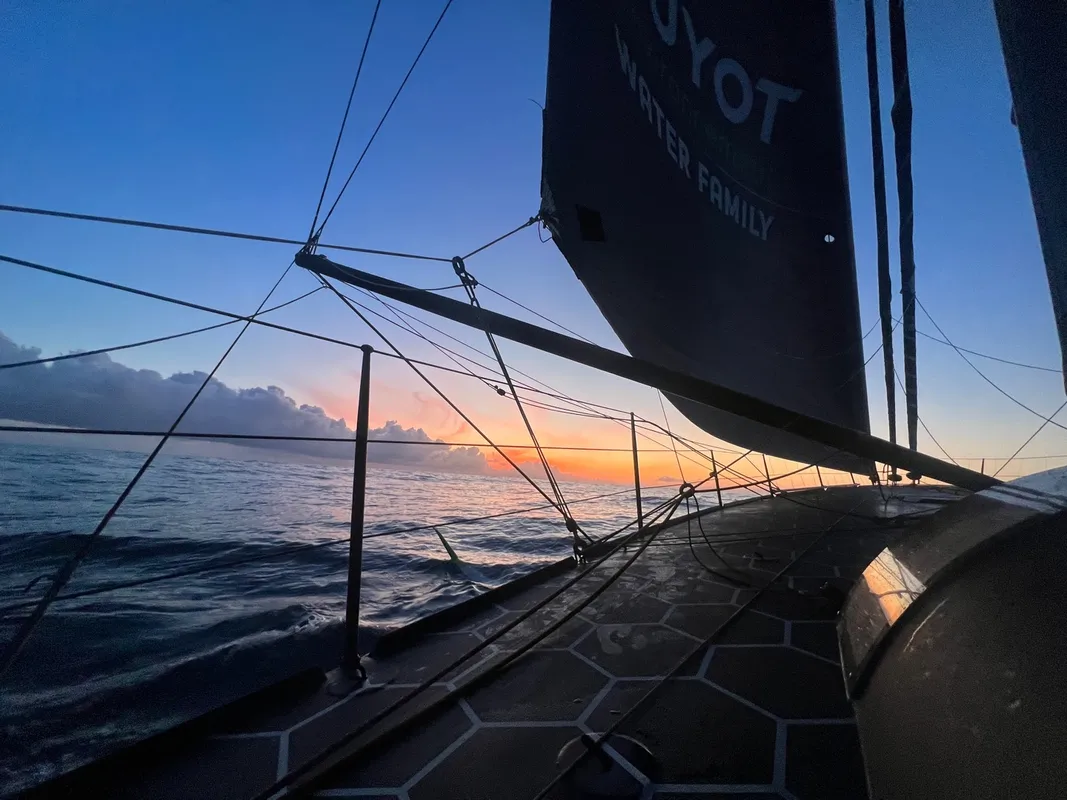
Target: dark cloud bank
[{"x": 97, "y": 392}]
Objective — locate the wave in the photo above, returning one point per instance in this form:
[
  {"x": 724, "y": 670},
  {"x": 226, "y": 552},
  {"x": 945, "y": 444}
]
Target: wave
[{"x": 107, "y": 668}]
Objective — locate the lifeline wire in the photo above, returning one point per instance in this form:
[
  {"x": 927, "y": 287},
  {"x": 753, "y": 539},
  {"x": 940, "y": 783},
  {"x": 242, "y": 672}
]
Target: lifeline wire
[
  {"x": 1008, "y": 361},
  {"x": 252, "y": 237},
  {"x": 301, "y": 772},
  {"x": 266, "y": 437},
  {"x": 66, "y": 571}
]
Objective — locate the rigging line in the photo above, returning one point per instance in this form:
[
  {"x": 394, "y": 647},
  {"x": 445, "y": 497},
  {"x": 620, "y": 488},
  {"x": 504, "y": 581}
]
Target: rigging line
[
  {"x": 440, "y": 393},
  {"x": 302, "y": 772},
  {"x": 264, "y": 323},
  {"x": 705, "y": 456},
  {"x": 561, "y": 410},
  {"x": 252, "y": 237},
  {"x": 381, "y": 121},
  {"x": 400, "y": 315},
  {"x": 555, "y": 393},
  {"x": 1033, "y": 436},
  {"x": 209, "y": 309},
  {"x": 344, "y": 119},
  {"x": 770, "y": 486},
  {"x": 524, "y": 386},
  {"x": 673, "y": 438},
  {"x": 981, "y": 374},
  {"x": 451, "y": 355},
  {"x": 469, "y": 284},
  {"x": 695, "y": 445},
  {"x": 66, "y": 571},
  {"x": 729, "y": 467},
  {"x": 455, "y": 357},
  {"x": 549, "y": 320},
  {"x": 743, "y": 581},
  {"x": 600, "y": 415},
  {"x": 524, "y": 226},
  {"x": 565, "y": 771},
  {"x": 775, "y": 478},
  {"x": 925, "y": 428},
  {"x": 447, "y": 351},
  {"x": 102, "y": 350},
  {"x": 697, "y": 558},
  {"x": 280, "y": 438},
  {"x": 677, "y": 460},
  {"x": 747, "y": 453},
  {"x": 236, "y": 562},
  {"x": 691, "y": 444},
  {"x": 642, "y": 431},
  {"x": 932, "y": 338}
]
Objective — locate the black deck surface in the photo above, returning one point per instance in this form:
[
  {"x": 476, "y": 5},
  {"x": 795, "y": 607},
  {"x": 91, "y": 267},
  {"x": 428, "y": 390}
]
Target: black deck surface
[{"x": 759, "y": 713}]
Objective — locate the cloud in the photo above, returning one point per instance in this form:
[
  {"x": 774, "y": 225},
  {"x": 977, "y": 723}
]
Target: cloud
[{"x": 97, "y": 392}]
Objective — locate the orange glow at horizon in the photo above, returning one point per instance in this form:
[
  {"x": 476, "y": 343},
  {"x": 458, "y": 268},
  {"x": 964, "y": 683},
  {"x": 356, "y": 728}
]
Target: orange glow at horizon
[{"x": 607, "y": 457}]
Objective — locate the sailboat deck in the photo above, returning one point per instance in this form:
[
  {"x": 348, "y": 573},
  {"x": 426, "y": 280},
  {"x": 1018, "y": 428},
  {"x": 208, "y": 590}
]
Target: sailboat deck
[{"x": 761, "y": 712}]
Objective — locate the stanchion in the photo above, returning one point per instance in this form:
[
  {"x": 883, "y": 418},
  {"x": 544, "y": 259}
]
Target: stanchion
[{"x": 350, "y": 658}]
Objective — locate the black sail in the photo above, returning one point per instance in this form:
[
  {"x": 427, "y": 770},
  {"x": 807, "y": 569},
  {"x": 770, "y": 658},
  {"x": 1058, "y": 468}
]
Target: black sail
[
  {"x": 1034, "y": 37},
  {"x": 694, "y": 178}
]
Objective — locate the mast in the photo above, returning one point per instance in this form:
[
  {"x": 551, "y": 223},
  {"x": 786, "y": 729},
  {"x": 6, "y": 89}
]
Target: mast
[
  {"x": 885, "y": 280},
  {"x": 901, "y": 115},
  {"x": 1032, "y": 34}
]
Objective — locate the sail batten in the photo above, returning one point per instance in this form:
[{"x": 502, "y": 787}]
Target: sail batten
[{"x": 694, "y": 178}]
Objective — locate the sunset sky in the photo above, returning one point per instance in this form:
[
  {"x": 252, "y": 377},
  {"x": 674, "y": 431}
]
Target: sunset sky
[{"x": 223, "y": 113}]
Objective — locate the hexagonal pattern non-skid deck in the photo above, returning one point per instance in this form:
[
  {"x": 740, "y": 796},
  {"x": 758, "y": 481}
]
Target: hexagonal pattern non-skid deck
[{"x": 758, "y": 712}]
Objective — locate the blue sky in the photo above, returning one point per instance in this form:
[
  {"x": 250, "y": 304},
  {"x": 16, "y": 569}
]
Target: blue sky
[{"x": 223, "y": 113}]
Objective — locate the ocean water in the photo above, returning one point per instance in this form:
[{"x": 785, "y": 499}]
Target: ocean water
[{"x": 107, "y": 669}]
